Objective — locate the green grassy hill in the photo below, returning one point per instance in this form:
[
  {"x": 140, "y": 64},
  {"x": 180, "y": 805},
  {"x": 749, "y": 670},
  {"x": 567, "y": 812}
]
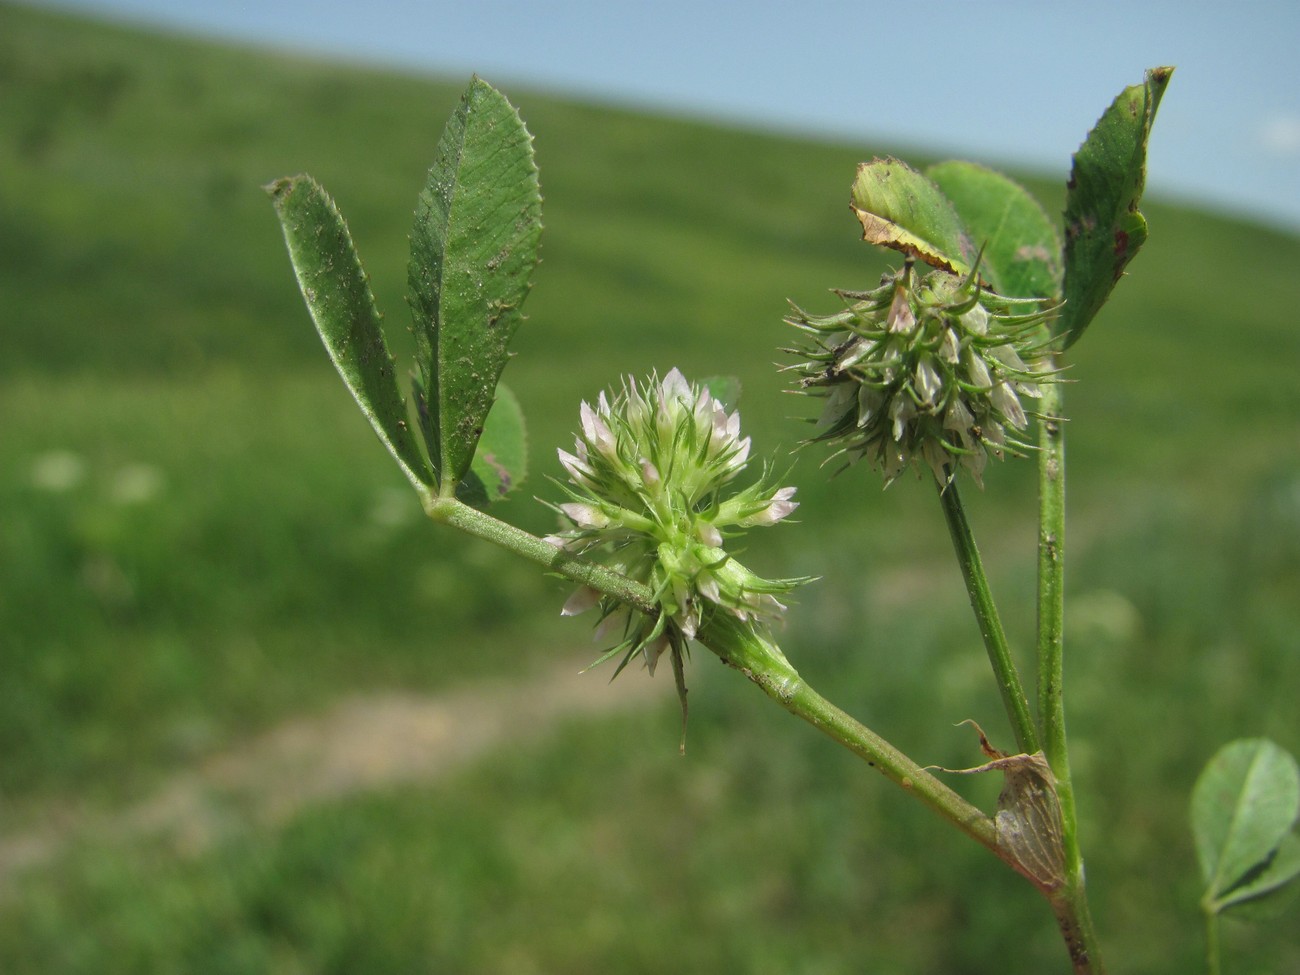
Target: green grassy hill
[{"x": 201, "y": 539}]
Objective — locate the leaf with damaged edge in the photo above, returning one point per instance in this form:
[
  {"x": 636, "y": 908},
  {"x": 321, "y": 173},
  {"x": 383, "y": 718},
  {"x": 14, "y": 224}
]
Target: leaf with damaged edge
[
  {"x": 1021, "y": 249},
  {"x": 473, "y": 249},
  {"x": 338, "y": 297},
  {"x": 901, "y": 209},
  {"x": 1243, "y": 808},
  {"x": 1103, "y": 226}
]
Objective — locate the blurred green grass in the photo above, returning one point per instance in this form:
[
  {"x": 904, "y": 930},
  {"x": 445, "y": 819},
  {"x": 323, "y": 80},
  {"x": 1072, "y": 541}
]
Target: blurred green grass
[{"x": 199, "y": 537}]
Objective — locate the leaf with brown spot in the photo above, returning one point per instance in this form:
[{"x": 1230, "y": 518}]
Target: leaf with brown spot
[
  {"x": 1103, "y": 226},
  {"x": 1021, "y": 250}
]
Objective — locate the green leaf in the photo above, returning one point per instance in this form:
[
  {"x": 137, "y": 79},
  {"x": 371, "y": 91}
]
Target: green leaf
[
  {"x": 901, "y": 209},
  {"x": 501, "y": 461},
  {"x": 1279, "y": 870},
  {"x": 1021, "y": 250},
  {"x": 338, "y": 297},
  {"x": 1103, "y": 226},
  {"x": 1243, "y": 807},
  {"x": 473, "y": 249}
]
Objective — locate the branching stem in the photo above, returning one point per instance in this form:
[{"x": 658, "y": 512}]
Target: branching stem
[{"x": 741, "y": 647}]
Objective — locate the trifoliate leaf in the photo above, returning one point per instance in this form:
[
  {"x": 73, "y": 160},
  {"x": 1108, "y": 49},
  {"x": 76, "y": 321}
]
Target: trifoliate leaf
[{"x": 1243, "y": 808}]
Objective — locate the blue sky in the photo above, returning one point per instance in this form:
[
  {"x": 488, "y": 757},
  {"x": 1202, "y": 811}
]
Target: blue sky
[{"x": 1004, "y": 82}]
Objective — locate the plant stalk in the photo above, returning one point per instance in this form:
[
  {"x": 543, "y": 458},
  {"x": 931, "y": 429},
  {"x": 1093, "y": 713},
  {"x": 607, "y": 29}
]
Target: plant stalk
[
  {"x": 741, "y": 647},
  {"x": 738, "y": 645},
  {"x": 1213, "y": 965},
  {"x": 1072, "y": 898},
  {"x": 986, "y": 613},
  {"x": 449, "y": 511}
]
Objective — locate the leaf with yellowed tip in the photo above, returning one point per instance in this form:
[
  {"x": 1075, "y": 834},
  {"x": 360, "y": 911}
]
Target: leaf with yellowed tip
[{"x": 902, "y": 210}]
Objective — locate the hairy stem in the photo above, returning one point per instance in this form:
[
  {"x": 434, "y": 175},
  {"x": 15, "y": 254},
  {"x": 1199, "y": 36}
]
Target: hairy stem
[
  {"x": 738, "y": 645},
  {"x": 1051, "y": 646},
  {"x": 986, "y": 613},
  {"x": 449, "y": 511}
]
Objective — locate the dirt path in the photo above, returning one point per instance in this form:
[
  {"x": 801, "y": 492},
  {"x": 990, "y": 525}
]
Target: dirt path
[{"x": 366, "y": 742}]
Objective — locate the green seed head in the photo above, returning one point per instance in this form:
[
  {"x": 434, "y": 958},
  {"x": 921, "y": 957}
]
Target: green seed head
[{"x": 932, "y": 372}]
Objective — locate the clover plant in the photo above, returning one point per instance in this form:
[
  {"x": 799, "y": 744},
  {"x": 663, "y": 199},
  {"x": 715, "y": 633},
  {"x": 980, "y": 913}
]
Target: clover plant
[{"x": 953, "y": 359}]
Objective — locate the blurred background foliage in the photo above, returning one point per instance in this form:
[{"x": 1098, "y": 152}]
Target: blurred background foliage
[{"x": 200, "y": 540}]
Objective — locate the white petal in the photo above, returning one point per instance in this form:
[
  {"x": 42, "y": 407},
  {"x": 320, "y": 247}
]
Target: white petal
[
  {"x": 976, "y": 320},
  {"x": 927, "y": 382},
  {"x": 858, "y": 351},
  {"x": 949, "y": 348},
  {"x": 653, "y": 651},
  {"x": 582, "y": 600},
  {"x": 708, "y": 587},
  {"x": 595, "y": 430},
  {"x": 781, "y": 505},
  {"x": 778, "y": 506},
  {"x": 900, "y": 317},
  {"x": 649, "y": 473},
  {"x": 958, "y": 416},
  {"x": 585, "y": 515},
  {"x": 900, "y": 411},
  {"x": 977, "y": 370},
  {"x": 577, "y": 469},
  {"x": 1008, "y": 404},
  {"x": 675, "y": 386},
  {"x": 1008, "y": 356},
  {"x": 709, "y": 534}
]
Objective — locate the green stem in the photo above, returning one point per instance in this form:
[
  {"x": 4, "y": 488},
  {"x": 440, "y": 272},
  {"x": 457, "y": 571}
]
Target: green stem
[
  {"x": 449, "y": 511},
  {"x": 738, "y": 645},
  {"x": 1070, "y": 905},
  {"x": 986, "y": 613},
  {"x": 1051, "y": 603},
  {"x": 1213, "y": 965},
  {"x": 1051, "y": 702}
]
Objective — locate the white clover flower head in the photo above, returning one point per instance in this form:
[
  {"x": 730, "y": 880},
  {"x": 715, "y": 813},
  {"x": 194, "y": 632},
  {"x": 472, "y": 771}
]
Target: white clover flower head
[
  {"x": 651, "y": 483},
  {"x": 928, "y": 373}
]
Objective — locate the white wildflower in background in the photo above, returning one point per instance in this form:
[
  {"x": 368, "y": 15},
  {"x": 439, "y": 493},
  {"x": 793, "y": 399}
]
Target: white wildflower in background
[
  {"x": 932, "y": 372},
  {"x": 649, "y": 481},
  {"x": 135, "y": 484},
  {"x": 58, "y": 471}
]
